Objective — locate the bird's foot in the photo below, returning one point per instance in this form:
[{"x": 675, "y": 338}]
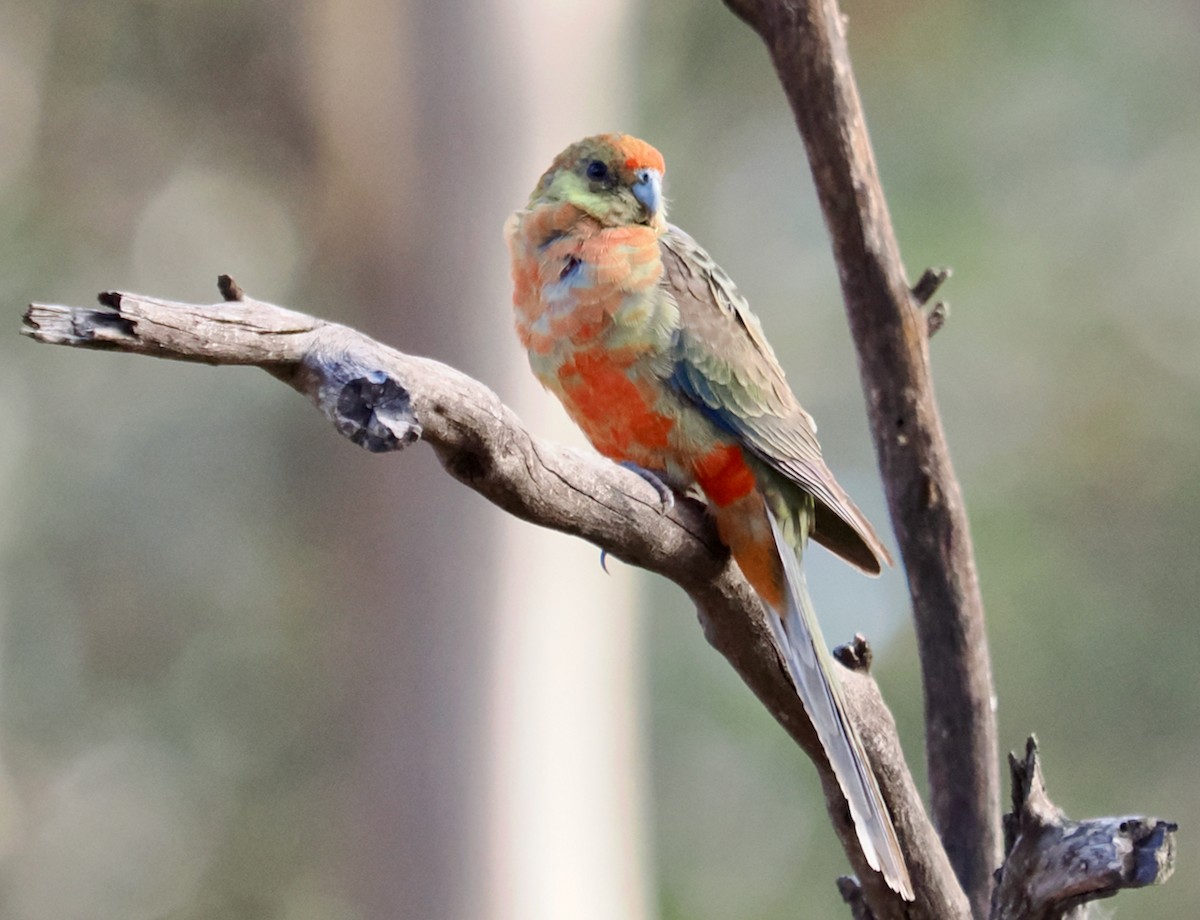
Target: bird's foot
[{"x": 666, "y": 495}]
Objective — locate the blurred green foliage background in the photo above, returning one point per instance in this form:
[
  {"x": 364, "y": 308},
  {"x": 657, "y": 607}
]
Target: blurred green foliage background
[{"x": 190, "y": 563}]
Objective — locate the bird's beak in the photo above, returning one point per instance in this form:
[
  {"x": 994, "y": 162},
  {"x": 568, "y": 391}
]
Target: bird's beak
[{"x": 648, "y": 190}]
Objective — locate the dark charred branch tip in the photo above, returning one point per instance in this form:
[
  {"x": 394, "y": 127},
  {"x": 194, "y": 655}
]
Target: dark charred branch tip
[
  {"x": 230, "y": 289},
  {"x": 855, "y": 654},
  {"x": 852, "y": 895},
  {"x": 931, "y": 279}
]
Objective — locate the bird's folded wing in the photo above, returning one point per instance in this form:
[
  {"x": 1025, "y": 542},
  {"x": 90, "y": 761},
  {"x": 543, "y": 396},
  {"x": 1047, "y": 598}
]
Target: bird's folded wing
[{"x": 725, "y": 366}]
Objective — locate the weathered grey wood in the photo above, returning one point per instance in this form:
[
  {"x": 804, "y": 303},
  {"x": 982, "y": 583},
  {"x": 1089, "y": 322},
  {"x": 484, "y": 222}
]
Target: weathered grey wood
[{"x": 1056, "y": 866}]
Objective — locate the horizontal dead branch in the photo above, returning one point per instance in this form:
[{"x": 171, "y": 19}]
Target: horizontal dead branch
[{"x": 384, "y": 400}]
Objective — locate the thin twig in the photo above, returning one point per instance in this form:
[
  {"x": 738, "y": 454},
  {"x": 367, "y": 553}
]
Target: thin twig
[{"x": 927, "y": 285}]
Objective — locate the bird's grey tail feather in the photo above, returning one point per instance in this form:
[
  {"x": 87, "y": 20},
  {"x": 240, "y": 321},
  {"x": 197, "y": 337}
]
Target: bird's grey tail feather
[{"x": 812, "y": 670}]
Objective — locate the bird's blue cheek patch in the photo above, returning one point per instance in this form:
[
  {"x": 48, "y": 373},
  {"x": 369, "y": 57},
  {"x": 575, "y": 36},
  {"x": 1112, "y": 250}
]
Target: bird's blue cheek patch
[
  {"x": 575, "y": 273},
  {"x": 572, "y": 267}
]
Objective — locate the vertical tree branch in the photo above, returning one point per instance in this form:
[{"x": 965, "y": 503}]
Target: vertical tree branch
[{"x": 806, "y": 40}]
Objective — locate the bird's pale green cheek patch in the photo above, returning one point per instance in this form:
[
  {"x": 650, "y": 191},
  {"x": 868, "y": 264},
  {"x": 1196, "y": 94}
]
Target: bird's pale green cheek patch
[{"x": 611, "y": 206}]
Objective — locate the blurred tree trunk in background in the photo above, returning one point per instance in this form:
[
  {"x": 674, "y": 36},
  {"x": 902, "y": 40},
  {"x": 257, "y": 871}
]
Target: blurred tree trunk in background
[
  {"x": 493, "y": 676},
  {"x": 566, "y": 729}
]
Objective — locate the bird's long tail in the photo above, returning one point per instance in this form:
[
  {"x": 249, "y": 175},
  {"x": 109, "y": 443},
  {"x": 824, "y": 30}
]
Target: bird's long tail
[{"x": 812, "y": 670}]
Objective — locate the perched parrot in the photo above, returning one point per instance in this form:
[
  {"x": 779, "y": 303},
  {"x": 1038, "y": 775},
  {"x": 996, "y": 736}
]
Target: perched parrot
[{"x": 658, "y": 359}]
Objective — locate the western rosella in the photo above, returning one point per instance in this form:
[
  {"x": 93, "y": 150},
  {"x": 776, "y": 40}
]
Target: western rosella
[{"x": 657, "y": 357}]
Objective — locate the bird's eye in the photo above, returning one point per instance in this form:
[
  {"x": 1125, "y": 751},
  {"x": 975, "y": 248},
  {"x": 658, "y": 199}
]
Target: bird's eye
[{"x": 597, "y": 169}]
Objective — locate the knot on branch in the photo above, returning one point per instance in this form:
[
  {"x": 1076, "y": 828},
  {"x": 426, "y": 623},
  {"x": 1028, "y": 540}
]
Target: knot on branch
[
  {"x": 230, "y": 289},
  {"x": 375, "y": 412},
  {"x": 1053, "y": 865}
]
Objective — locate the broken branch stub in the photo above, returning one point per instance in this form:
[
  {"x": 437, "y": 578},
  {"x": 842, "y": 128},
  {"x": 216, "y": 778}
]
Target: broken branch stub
[{"x": 1055, "y": 865}]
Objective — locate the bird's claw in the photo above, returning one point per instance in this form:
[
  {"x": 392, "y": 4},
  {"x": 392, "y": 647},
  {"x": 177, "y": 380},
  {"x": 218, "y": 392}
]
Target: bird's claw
[{"x": 666, "y": 496}]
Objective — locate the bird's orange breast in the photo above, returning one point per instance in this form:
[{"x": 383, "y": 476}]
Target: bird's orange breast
[
  {"x": 615, "y": 408},
  {"x": 571, "y": 275},
  {"x": 596, "y": 325}
]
